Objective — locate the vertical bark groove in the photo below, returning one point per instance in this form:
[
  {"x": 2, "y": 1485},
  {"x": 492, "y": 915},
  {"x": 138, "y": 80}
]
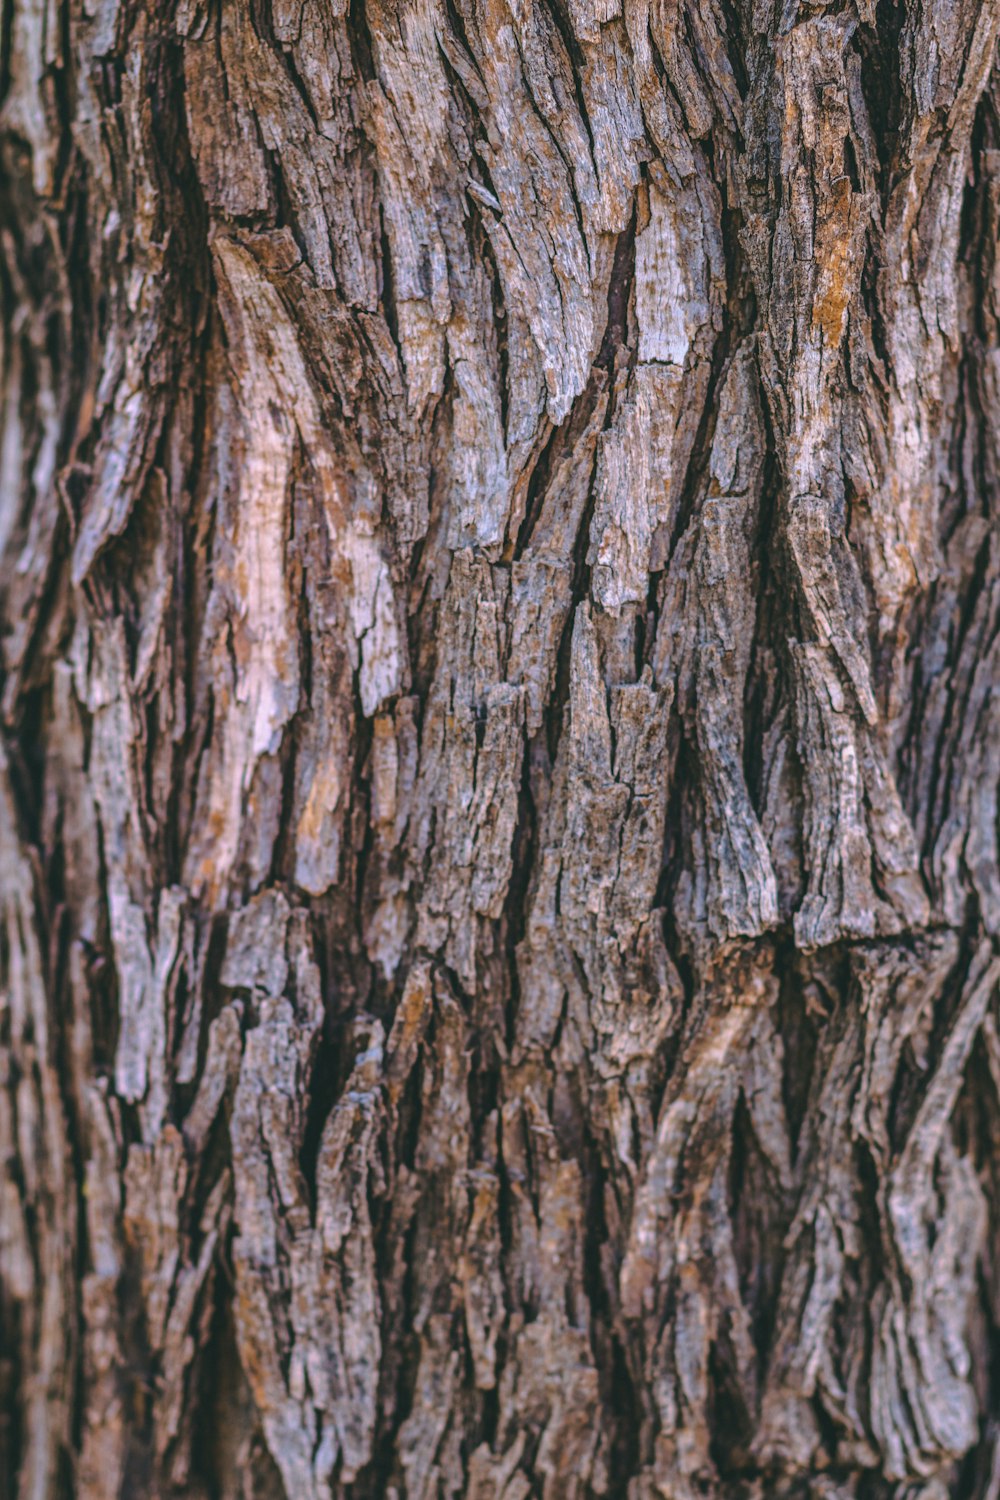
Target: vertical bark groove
[{"x": 499, "y": 750}]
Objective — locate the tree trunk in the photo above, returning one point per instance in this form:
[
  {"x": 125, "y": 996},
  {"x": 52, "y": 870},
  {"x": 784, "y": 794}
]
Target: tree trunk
[{"x": 499, "y": 885}]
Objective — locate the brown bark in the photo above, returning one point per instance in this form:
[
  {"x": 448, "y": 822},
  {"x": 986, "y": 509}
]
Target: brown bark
[{"x": 500, "y": 625}]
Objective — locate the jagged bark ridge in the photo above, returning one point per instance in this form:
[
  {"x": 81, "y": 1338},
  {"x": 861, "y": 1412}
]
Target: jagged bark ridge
[{"x": 500, "y": 626}]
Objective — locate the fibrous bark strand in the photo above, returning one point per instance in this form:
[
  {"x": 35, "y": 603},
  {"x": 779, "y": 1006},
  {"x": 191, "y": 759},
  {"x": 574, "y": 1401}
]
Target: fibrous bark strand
[{"x": 500, "y": 642}]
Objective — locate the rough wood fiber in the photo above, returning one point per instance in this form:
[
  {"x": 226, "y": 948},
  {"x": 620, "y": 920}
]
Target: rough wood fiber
[{"x": 500, "y": 634}]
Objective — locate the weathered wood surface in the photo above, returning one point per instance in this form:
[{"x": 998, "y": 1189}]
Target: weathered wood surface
[{"x": 500, "y": 624}]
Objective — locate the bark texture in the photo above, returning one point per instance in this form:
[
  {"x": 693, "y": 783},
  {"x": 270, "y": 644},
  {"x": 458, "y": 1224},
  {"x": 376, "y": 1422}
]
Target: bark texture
[{"x": 500, "y": 627}]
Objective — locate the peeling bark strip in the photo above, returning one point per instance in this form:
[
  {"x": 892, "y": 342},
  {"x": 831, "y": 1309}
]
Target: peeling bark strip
[{"x": 500, "y": 745}]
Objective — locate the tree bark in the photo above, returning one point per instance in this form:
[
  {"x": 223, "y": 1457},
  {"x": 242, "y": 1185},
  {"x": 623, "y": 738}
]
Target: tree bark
[{"x": 499, "y": 883}]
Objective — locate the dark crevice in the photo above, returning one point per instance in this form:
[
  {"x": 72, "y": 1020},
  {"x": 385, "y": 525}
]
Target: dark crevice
[
  {"x": 763, "y": 688},
  {"x": 331, "y": 1065},
  {"x": 801, "y": 1016},
  {"x": 400, "y": 1349},
  {"x": 680, "y": 774},
  {"x": 286, "y": 53},
  {"x": 500, "y": 330},
  {"x": 137, "y": 1375},
  {"x": 461, "y": 36},
  {"x": 563, "y": 438},
  {"x": 387, "y": 289},
  {"x": 879, "y": 48},
  {"x": 399, "y": 1367},
  {"x": 577, "y": 62},
  {"x": 6, "y": 43},
  {"x": 285, "y": 215},
  {"x": 873, "y": 308},
  {"x": 295, "y": 547},
  {"x": 851, "y": 165},
  {"x": 619, "y": 295},
  {"x": 759, "y": 1219},
  {"x": 944, "y": 766},
  {"x": 525, "y": 849},
  {"x": 621, "y": 1401},
  {"x": 361, "y": 41},
  {"x": 362, "y": 737},
  {"x": 537, "y": 488},
  {"x": 736, "y": 44},
  {"x": 977, "y": 248},
  {"x": 730, "y": 1424}
]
